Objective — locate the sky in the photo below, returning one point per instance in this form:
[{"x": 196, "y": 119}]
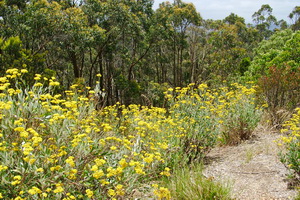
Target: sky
[{"x": 219, "y": 9}]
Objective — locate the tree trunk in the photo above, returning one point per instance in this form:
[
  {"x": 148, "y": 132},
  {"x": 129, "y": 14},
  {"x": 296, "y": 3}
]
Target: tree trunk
[{"x": 73, "y": 58}]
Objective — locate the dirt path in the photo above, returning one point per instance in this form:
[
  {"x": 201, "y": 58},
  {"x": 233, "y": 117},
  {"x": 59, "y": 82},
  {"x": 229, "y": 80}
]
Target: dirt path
[{"x": 252, "y": 169}]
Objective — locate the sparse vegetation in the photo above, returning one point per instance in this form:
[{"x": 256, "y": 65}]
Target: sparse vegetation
[{"x": 189, "y": 183}]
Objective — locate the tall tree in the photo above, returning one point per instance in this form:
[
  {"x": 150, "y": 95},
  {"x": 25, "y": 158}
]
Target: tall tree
[
  {"x": 178, "y": 17},
  {"x": 234, "y": 19},
  {"x": 264, "y": 20},
  {"x": 295, "y": 18}
]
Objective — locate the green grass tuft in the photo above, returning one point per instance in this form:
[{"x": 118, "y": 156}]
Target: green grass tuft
[{"x": 190, "y": 183}]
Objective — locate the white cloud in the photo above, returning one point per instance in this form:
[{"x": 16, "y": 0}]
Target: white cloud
[{"x": 218, "y": 9}]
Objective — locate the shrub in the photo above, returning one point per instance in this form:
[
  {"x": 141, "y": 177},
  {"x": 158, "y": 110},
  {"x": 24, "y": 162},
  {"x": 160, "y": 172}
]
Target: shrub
[
  {"x": 227, "y": 113},
  {"x": 291, "y": 157},
  {"x": 192, "y": 108},
  {"x": 243, "y": 115},
  {"x": 280, "y": 49},
  {"x": 281, "y": 90}
]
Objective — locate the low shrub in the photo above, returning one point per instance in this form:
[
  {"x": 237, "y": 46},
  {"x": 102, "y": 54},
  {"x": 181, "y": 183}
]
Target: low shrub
[
  {"x": 227, "y": 114},
  {"x": 281, "y": 91},
  {"x": 243, "y": 115},
  {"x": 291, "y": 156}
]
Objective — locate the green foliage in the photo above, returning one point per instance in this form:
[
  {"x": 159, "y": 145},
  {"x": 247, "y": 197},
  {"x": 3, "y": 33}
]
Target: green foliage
[
  {"x": 234, "y": 19},
  {"x": 14, "y": 55},
  {"x": 228, "y": 50},
  {"x": 295, "y": 17},
  {"x": 130, "y": 89},
  {"x": 21, "y": 4},
  {"x": 264, "y": 19},
  {"x": 189, "y": 183},
  {"x": 282, "y": 48},
  {"x": 244, "y": 65},
  {"x": 276, "y": 68},
  {"x": 155, "y": 92},
  {"x": 174, "y": 45}
]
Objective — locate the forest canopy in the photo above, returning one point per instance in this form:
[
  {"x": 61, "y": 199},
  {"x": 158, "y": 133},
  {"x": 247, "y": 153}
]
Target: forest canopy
[{"x": 137, "y": 50}]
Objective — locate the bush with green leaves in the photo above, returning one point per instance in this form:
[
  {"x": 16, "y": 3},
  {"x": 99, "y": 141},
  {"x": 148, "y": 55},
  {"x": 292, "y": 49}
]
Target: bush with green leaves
[
  {"x": 281, "y": 49},
  {"x": 280, "y": 89}
]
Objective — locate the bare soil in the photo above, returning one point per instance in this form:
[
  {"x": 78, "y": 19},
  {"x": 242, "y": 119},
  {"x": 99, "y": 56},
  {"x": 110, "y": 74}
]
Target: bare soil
[{"x": 252, "y": 169}]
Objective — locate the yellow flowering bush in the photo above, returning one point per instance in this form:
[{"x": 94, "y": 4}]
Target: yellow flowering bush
[
  {"x": 291, "y": 157},
  {"x": 55, "y": 147},
  {"x": 227, "y": 113},
  {"x": 242, "y": 114},
  {"x": 58, "y": 146}
]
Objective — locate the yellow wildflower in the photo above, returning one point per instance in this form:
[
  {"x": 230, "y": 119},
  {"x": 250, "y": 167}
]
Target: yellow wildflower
[
  {"x": 111, "y": 192},
  {"x": 70, "y": 161},
  {"x": 89, "y": 193},
  {"x": 39, "y": 170},
  {"x": 34, "y": 190},
  {"x": 58, "y": 188}
]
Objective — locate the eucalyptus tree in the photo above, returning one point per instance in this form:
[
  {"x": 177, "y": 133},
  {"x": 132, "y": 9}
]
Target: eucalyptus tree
[
  {"x": 128, "y": 41},
  {"x": 228, "y": 51},
  {"x": 264, "y": 20},
  {"x": 220, "y": 49},
  {"x": 58, "y": 30},
  {"x": 65, "y": 34},
  {"x": 14, "y": 55},
  {"x": 283, "y": 24},
  {"x": 176, "y": 18},
  {"x": 234, "y": 19},
  {"x": 20, "y": 4},
  {"x": 16, "y": 51},
  {"x": 295, "y": 18}
]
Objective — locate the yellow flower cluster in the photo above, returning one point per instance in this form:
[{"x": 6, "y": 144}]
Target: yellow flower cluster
[
  {"x": 161, "y": 192},
  {"x": 292, "y": 129},
  {"x": 291, "y": 142}
]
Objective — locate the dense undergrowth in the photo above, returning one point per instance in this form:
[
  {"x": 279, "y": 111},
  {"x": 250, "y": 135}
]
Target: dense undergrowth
[{"x": 57, "y": 146}]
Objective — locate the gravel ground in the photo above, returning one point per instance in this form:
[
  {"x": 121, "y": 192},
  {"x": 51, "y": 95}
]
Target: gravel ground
[{"x": 252, "y": 168}]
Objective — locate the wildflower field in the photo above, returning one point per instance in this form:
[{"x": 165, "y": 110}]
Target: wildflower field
[{"x": 58, "y": 146}]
